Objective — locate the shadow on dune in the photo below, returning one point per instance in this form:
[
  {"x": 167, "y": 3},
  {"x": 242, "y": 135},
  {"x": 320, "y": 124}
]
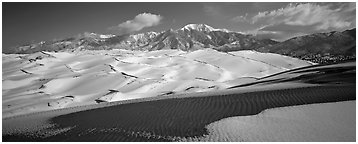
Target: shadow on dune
[
  {"x": 172, "y": 119},
  {"x": 317, "y": 74}
]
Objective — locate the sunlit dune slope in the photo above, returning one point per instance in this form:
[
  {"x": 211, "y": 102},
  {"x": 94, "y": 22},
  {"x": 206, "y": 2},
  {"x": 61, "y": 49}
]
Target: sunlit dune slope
[
  {"x": 207, "y": 116},
  {"x": 48, "y": 80}
]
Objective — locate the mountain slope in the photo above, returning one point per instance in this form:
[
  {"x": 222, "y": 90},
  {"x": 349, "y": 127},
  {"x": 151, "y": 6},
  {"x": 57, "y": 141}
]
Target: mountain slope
[
  {"x": 321, "y": 47},
  {"x": 190, "y": 37},
  {"x": 198, "y": 36}
]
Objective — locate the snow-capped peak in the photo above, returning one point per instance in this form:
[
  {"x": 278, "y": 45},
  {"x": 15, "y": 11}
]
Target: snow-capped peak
[
  {"x": 145, "y": 35},
  {"x": 106, "y": 36},
  {"x": 96, "y": 35},
  {"x": 202, "y": 27},
  {"x": 198, "y": 27}
]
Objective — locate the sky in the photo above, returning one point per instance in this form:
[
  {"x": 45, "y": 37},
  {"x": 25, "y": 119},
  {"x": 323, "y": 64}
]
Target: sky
[{"x": 23, "y": 23}]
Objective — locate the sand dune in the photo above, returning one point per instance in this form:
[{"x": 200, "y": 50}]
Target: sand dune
[
  {"x": 316, "y": 74},
  {"x": 88, "y": 75},
  {"x": 205, "y": 116},
  {"x": 172, "y": 119},
  {"x": 271, "y": 59},
  {"x": 328, "y": 122}
]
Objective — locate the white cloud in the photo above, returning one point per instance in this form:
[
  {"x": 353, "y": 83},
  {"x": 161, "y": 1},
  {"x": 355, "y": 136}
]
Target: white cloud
[
  {"x": 240, "y": 18},
  {"x": 139, "y": 22},
  {"x": 302, "y": 18},
  {"x": 322, "y": 17}
]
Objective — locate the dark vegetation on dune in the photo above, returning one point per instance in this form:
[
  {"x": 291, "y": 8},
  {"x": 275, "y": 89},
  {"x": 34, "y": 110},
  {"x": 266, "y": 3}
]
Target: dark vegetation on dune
[{"x": 178, "y": 118}]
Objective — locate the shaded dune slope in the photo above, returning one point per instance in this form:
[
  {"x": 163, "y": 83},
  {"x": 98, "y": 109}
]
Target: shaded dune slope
[
  {"x": 318, "y": 74},
  {"x": 173, "y": 119}
]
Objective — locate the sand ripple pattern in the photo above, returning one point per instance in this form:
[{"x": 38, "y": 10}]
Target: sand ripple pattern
[{"x": 178, "y": 118}]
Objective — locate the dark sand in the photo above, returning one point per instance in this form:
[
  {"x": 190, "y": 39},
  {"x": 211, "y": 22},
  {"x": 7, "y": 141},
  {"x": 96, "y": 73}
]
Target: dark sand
[
  {"x": 316, "y": 74},
  {"x": 171, "y": 119}
]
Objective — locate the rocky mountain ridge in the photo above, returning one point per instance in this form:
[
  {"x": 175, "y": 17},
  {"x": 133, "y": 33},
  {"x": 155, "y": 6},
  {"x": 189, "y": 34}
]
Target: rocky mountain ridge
[{"x": 315, "y": 47}]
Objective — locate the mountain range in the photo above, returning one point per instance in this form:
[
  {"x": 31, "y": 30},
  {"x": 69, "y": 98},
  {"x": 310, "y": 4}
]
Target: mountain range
[{"x": 320, "y": 47}]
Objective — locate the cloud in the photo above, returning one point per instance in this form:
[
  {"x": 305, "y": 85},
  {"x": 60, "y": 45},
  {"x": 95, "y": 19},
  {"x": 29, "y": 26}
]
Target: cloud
[
  {"x": 240, "y": 18},
  {"x": 139, "y": 22},
  {"x": 321, "y": 16},
  {"x": 302, "y": 18}
]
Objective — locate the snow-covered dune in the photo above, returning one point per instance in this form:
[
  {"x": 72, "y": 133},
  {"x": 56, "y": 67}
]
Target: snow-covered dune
[{"x": 48, "y": 80}]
